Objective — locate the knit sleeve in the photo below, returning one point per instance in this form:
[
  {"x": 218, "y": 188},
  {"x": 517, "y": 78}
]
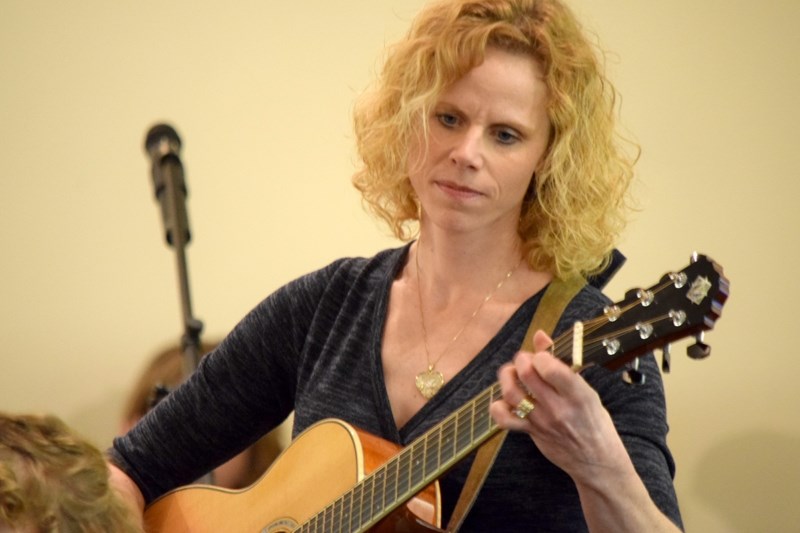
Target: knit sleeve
[
  {"x": 238, "y": 393},
  {"x": 640, "y": 416}
]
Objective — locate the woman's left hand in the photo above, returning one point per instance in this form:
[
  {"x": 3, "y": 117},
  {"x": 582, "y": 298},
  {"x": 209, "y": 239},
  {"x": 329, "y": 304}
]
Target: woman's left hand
[
  {"x": 564, "y": 416},
  {"x": 568, "y": 423}
]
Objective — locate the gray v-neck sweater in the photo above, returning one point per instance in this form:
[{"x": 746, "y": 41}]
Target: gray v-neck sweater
[{"x": 314, "y": 346}]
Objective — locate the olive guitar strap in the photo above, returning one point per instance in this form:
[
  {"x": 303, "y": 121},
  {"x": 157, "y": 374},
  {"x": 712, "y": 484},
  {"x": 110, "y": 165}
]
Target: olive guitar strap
[{"x": 555, "y": 299}]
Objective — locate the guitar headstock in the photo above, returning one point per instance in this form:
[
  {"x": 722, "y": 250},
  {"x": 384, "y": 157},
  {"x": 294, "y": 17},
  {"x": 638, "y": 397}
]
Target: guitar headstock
[{"x": 682, "y": 304}]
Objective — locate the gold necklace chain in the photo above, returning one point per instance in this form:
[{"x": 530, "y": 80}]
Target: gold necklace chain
[{"x": 430, "y": 380}]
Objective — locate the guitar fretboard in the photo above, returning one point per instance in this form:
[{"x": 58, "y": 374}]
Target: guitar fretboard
[{"x": 411, "y": 470}]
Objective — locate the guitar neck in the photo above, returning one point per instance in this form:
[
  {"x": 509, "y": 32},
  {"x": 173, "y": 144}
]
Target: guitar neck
[{"x": 415, "y": 467}]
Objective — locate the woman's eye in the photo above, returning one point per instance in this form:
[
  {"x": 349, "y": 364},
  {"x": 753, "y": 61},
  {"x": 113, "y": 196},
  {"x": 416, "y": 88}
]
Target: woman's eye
[
  {"x": 448, "y": 120},
  {"x": 507, "y": 137}
]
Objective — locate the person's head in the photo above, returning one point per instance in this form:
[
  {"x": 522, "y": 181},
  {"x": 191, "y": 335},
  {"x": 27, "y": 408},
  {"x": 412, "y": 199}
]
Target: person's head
[
  {"x": 52, "y": 480},
  {"x": 574, "y": 207}
]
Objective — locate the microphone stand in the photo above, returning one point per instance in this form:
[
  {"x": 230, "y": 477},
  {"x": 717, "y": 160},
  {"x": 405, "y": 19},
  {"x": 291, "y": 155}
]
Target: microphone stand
[
  {"x": 163, "y": 145},
  {"x": 192, "y": 327}
]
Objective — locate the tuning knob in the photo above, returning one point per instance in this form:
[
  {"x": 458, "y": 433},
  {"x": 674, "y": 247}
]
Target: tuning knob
[
  {"x": 699, "y": 350},
  {"x": 631, "y": 375},
  {"x": 666, "y": 358}
]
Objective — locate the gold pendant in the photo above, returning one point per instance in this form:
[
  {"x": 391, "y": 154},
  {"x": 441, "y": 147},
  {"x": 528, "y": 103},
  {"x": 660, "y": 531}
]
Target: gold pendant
[{"x": 429, "y": 382}]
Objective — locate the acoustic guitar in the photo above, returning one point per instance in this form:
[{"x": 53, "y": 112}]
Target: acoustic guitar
[{"x": 336, "y": 478}]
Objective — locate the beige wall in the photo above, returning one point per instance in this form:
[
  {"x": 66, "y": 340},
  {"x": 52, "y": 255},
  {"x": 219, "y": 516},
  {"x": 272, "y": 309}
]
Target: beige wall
[{"x": 261, "y": 94}]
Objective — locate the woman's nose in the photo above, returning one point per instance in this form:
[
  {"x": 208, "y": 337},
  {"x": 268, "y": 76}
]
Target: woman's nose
[{"x": 467, "y": 151}]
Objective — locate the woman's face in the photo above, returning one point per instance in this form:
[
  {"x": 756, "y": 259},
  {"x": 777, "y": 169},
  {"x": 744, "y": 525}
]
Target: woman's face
[{"x": 488, "y": 133}]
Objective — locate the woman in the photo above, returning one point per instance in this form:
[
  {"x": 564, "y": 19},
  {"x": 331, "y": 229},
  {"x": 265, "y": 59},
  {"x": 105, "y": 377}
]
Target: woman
[{"x": 491, "y": 132}]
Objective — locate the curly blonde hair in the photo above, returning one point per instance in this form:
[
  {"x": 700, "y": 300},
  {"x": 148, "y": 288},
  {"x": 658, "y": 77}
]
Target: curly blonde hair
[
  {"x": 577, "y": 203},
  {"x": 51, "y": 480}
]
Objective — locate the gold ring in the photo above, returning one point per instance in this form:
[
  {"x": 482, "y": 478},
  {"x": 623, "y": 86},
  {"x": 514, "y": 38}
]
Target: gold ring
[{"x": 524, "y": 408}]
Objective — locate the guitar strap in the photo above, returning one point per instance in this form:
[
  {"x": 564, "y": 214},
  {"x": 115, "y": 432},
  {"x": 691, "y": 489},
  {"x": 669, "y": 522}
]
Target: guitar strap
[{"x": 555, "y": 299}]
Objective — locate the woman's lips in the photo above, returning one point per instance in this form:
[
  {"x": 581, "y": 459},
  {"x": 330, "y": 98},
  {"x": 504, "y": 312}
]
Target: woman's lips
[{"x": 456, "y": 190}]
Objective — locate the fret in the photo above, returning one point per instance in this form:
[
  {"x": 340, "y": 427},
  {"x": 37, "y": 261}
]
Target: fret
[
  {"x": 347, "y": 511},
  {"x": 367, "y": 496},
  {"x": 447, "y": 449},
  {"x": 328, "y": 518},
  {"x": 310, "y": 526},
  {"x": 391, "y": 487},
  {"x": 379, "y": 497},
  {"x": 464, "y": 427},
  {"x": 357, "y": 505},
  {"x": 362, "y": 511},
  {"x": 481, "y": 418},
  {"x": 404, "y": 472},
  {"x": 319, "y": 522},
  {"x": 432, "y": 445},
  {"x": 336, "y": 515},
  {"x": 417, "y": 463}
]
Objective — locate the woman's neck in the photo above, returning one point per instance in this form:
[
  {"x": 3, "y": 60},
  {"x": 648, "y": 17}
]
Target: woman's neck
[{"x": 452, "y": 266}]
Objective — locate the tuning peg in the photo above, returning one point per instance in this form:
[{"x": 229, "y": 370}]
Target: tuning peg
[
  {"x": 666, "y": 358},
  {"x": 699, "y": 350},
  {"x": 631, "y": 375}
]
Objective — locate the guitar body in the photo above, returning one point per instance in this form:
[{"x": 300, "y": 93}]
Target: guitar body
[{"x": 319, "y": 466}]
